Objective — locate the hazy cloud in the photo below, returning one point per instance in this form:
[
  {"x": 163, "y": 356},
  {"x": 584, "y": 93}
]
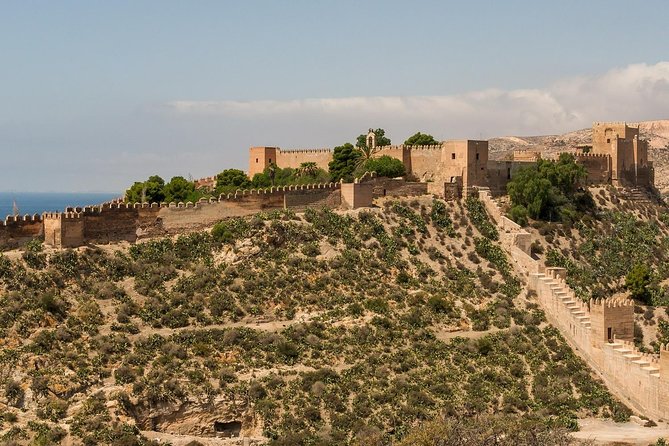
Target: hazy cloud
[
  {"x": 636, "y": 92},
  {"x": 108, "y": 151}
]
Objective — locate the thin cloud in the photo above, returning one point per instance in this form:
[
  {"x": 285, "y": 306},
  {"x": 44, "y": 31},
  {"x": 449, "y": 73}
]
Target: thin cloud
[{"x": 635, "y": 92}]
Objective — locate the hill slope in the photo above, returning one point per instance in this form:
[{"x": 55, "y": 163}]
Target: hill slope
[{"x": 322, "y": 328}]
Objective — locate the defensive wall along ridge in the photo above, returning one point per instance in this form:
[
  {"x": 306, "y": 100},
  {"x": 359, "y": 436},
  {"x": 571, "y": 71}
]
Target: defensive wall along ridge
[
  {"x": 115, "y": 222},
  {"x": 601, "y": 331}
]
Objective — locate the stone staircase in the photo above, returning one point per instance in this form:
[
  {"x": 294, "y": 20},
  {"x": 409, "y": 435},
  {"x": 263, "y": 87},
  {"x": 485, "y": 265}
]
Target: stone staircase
[
  {"x": 646, "y": 362},
  {"x": 636, "y": 194},
  {"x": 564, "y": 297}
]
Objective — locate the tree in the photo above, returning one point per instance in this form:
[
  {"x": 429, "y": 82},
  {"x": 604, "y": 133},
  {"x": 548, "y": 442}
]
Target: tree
[
  {"x": 307, "y": 169},
  {"x": 260, "y": 181},
  {"x": 384, "y": 166},
  {"x": 637, "y": 282},
  {"x": 420, "y": 139},
  {"x": 344, "y": 161},
  {"x": 549, "y": 190},
  {"x": 275, "y": 176},
  {"x": 232, "y": 179},
  {"x": 179, "y": 189},
  {"x": 149, "y": 191}
]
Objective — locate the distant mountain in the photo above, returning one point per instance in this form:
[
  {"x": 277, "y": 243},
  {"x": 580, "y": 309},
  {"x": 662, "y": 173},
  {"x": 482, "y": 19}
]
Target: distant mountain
[{"x": 656, "y": 132}]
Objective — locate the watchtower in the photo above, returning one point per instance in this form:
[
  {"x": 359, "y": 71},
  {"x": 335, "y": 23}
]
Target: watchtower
[{"x": 260, "y": 158}]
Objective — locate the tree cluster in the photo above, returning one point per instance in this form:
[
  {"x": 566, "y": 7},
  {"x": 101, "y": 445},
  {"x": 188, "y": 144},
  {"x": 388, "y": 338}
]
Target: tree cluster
[
  {"x": 155, "y": 190},
  {"x": 420, "y": 139},
  {"x": 307, "y": 173},
  {"x": 549, "y": 190}
]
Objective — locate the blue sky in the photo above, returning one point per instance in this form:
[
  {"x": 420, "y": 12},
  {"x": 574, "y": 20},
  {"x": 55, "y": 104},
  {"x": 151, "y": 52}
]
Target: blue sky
[{"x": 95, "y": 95}]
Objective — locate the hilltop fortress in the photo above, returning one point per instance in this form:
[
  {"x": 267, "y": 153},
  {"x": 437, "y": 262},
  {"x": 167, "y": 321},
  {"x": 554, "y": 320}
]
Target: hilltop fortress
[
  {"x": 449, "y": 170},
  {"x": 601, "y": 331},
  {"x": 617, "y": 156}
]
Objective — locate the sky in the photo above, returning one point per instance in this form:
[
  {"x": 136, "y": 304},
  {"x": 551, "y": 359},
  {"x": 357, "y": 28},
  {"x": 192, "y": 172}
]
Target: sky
[{"x": 96, "y": 95}]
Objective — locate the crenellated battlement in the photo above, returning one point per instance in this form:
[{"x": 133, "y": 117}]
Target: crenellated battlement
[
  {"x": 378, "y": 149},
  {"x": 27, "y": 218},
  {"x": 526, "y": 155},
  {"x": 589, "y": 155},
  {"x": 410, "y": 147},
  {"x": 612, "y": 302},
  {"x": 613, "y": 123},
  {"x": 288, "y": 151}
]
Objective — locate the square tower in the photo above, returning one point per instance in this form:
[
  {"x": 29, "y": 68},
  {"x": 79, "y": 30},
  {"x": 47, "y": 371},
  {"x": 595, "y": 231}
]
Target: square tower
[
  {"x": 628, "y": 152},
  {"x": 467, "y": 159},
  {"x": 260, "y": 158},
  {"x": 611, "y": 318}
]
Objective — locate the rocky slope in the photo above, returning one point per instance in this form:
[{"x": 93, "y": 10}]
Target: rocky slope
[
  {"x": 656, "y": 132},
  {"x": 320, "y": 328}
]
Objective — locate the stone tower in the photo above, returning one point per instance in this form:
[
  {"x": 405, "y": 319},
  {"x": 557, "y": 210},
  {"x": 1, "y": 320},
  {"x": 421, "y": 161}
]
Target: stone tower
[{"x": 371, "y": 139}]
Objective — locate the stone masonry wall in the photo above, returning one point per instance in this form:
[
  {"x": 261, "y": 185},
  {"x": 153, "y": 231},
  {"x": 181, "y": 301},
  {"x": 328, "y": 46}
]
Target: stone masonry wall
[
  {"x": 600, "y": 331},
  {"x": 294, "y": 158},
  {"x": 128, "y": 222},
  {"x": 17, "y": 230},
  {"x": 392, "y": 187}
]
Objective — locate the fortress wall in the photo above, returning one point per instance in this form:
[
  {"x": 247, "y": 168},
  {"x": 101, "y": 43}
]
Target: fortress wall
[
  {"x": 294, "y": 158},
  {"x": 114, "y": 222},
  {"x": 598, "y": 167},
  {"x": 173, "y": 217},
  {"x": 527, "y": 156},
  {"x": 393, "y": 187},
  {"x": 637, "y": 374},
  {"x": 498, "y": 175},
  {"x": 634, "y": 377},
  {"x": 425, "y": 162},
  {"x": 15, "y": 231},
  {"x": 110, "y": 223},
  {"x": 402, "y": 153},
  {"x": 490, "y": 206},
  {"x": 63, "y": 229},
  {"x": 514, "y": 238},
  {"x": 300, "y": 199}
]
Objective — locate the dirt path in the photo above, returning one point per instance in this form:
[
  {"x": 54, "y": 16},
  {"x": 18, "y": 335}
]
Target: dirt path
[
  {"x": 607, "y": 432},
  {"x": 181, "y": 440},
  {"x": 270, "y": 326},
  {"x": 444, "y": 335}
]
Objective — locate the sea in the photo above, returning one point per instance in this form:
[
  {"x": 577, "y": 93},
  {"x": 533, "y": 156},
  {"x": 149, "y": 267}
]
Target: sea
[{"x": 38, "y": 202}]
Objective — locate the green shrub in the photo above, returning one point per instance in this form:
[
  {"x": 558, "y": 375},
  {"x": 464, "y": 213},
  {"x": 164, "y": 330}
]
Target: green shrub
[
  {"x": 519, "y": 214},
  {"x": 479, "y": 217}
]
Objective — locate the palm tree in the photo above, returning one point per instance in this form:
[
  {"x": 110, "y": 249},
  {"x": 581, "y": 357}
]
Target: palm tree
[
  {"x": 366, "y": 153},
  {"x": 308, "y": 169},
  {"x": 271, "y": 172}
]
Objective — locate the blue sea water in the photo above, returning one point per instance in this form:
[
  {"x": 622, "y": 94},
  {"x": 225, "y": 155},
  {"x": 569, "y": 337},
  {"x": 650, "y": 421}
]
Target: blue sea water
[{"x": 38, "y": 202}]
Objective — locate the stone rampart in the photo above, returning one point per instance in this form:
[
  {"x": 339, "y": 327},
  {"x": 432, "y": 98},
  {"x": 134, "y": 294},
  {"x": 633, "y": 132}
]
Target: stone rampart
[
  {"x": 597, "y": 165},
  {"x": 396, "y": 187},
  {"x": 601, "y": 331},
  {"x": 421, "y": 160},
  {"x": 114, "y": 222},
  {"x": 527, "y": 156},
  {"x": 294, "y": 158},
  {"x": 17, "y": 230}
]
